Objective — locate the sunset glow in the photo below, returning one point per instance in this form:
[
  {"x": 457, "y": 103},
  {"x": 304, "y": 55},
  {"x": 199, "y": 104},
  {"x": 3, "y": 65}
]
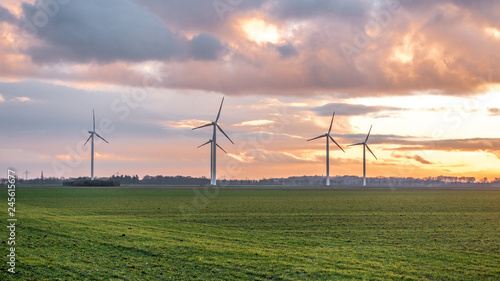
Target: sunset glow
[
  {"x": 425, "y": 75},
  {"x": 493, "y": 32},
  {"x": 261, "y": 32}
]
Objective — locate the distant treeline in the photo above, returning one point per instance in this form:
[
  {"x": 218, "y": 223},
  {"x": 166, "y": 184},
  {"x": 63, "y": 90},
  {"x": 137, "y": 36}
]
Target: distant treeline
[
  {"x": 296, "y": 181},
  {"x": 357, "y": 181}
]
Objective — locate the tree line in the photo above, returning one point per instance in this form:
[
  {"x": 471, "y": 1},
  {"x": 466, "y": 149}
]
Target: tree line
[{"x": 289, "y": 181}]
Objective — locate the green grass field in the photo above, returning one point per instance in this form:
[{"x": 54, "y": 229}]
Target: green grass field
[{"x": 113, "y": 234}]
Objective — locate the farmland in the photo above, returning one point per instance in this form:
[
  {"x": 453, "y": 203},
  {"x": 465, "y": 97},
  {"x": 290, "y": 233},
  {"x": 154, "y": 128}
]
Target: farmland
[{"x": 230, "y": 234}]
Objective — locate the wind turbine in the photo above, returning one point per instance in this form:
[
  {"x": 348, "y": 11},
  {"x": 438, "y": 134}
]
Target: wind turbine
[
  {"x": 213, "y": 141},
  {"x": 328, "y": 138},
  {"x": 211, "y": 156},
  {"x": 92, "y": 133},
  {"x": 365, "y": 145}
]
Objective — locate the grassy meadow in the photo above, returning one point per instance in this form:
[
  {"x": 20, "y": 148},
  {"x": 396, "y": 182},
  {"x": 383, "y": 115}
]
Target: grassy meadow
[{"x": 197, "y": 234}]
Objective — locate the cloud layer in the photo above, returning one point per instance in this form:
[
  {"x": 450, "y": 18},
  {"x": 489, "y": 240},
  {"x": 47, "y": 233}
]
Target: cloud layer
[
  {"x": 6, "y": 16},
  {"x": 158, "y": 68},
  {"x": 110, "y": 31},
  {"x": 358, "y": 48}
]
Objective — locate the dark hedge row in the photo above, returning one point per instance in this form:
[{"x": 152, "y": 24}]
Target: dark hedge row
[{"x": 92, "y": 183}]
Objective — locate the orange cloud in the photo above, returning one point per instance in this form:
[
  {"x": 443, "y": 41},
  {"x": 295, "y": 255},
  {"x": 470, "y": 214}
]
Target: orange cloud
[
  {"x": 192, "y": 123},
  {"x": 254, "y": 123}
]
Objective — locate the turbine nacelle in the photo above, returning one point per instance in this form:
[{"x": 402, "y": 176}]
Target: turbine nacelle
[
  {"x": 328, "y": 138},
  {"x": 210, "y": 141},
  {"x": 327, "y": 135},
  {"x": 215, "y": 124},
  {"x": 213, "y": 177},
  {"x": 365, "y": 143},
  {"x": 92, "y": 133}
]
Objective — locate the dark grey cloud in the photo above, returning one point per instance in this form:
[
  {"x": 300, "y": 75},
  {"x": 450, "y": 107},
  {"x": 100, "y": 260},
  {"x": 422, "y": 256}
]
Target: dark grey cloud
[
  {"x": 377, "y": 138},
  {"x": 300, "y": 9},
  {"x": 411, "y": 143},
  {"x": 415, "y": 157},
  {"x": 113, "y": 30},
  {"x": 102, "y": 31},
  {"x": 489, "y": 145},
  {"x": 286, "y": 50},
  {"x": 6, "y": 16},
  {"x": 350, "y": 109},
  {"x": 206, "y": 47},
  {"x": 474, "y": 144},
  {"x": 420, "y": 159},
  {"x": 198, "y": 15}
]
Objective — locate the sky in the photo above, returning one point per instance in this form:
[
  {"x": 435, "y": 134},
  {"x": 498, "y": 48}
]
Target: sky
[{"x": 424, "y": 74}]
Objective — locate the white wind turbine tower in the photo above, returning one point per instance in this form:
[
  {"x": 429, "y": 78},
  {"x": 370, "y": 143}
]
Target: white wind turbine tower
[
  {"x": 213, "y": 141},
  {"x": 365, "y": 145},
  {"x": 328, "y": 138},
  {"x": 211, "y": 156},
  {"x": 92, "y": 133}
]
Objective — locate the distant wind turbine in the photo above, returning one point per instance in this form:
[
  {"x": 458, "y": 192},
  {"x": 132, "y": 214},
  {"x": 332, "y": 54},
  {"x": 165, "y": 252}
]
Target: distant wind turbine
[
  {"x": 92, "y": 133},
  {"x": 365, "y": 145},
  {"x": 328, "y": 138},
  {"x": 213, "y": 141}
]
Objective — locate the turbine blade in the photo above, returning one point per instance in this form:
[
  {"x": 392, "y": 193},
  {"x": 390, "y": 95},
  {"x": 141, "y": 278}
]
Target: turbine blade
[
  {"x": 356, "y": 144},
  {"x": 371, "y": 151},
  {"x": 88, "y": 139},
  {"x": 93, "y": 120},
  {"x": 331, "y": 123},
  {"x": 336, "y": 143},
  {"x": 224, "y": 133},
  {"x": 218, "y": 114},
  {"x": 221, "y": 148},
  {"x": 316, "y": 138},
  {"x": 101, "y": 138},
  {"x": 367, "y": 136},
  {"x": 209, "y": 141},
  {"x": 206, "y": 125}
]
